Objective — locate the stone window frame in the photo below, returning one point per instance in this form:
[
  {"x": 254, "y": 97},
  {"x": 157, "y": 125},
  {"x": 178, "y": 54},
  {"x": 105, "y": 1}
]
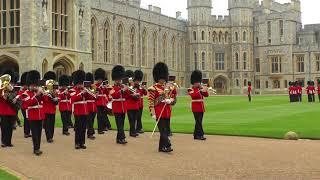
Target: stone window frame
[
  {"x": 245, "y": 60},
  {"x": 269, "y": 33},
  {"x": 202, "y": 35},
  {"x": 276, "y": 84},
  {"x": 9, "y": 22},
  {"x": 164, "y": 47},
  {"x": 214, "y": 36},
  {"x": 257, "y": 84},
  {"x": 236, "y": 36},
  {"x": 237, "y": 61},
  {"x": 275, "y": 64},
  {"x": 317, "y": 57},
  {"x": 60, "y": 32},
  {"x": 154, "y": 47},
  {"x": 195, "y": 57},
  {"x": 244, "y": 36},
  {"x": 300, "y": 65},
  {"x": 194, "y": 35},
  {"x": 144, "y": 50},
  {"x": 203, "y": 60},
  {"x": 107, "y": 41},
  {"x": 120, "y": 31},
  {"x": 174, "y": 53},
  {"x": 94, "y": 38},
  {"x": 132, "y": 45},
  {"x": 258, "y": 65},
  {"x": 220, "y": 61}
]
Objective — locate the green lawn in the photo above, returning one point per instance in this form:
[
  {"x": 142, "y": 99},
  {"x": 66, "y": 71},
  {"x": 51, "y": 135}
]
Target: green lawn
[
  {"x": 6, "y": 176},
  {"x": 266, "y": 116}
]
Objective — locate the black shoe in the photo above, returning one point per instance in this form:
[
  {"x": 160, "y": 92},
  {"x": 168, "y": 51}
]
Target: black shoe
[
  {"x": 66, "y": 133},
  {"x": 27, "y": 135},
  {"x": 91, "y": 137},
  {"x": 3, "y": 145},
  {"x": 37, "y": 152},
  {"x": 134, "y": 135},
  {"x": 122, "y": 141},
  {"x": 50, "y": 140},
  {"x": 170, "y": 134},
  {"x": 106, "y": 129},
  {"x": 201, "y": 138},
  {"x": 10, "y": 145},
  {"x": 165, "y": 150},
  {"x": 100, "y": 132},
  {"x": 140, "y": 131},
  {"x": 77, "y": 146},
  {"x": 83, "y": 147}
]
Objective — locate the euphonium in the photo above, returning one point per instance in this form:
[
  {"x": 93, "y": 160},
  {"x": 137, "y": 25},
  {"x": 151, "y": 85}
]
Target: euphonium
[{"x": 5, "y": 85}]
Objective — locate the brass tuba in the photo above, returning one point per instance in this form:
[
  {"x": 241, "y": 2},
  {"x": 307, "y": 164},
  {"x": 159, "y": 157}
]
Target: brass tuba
[{"x": 5, "y": 85}]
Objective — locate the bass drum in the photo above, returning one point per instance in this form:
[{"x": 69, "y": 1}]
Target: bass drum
[{"x": 109, "y": 108}]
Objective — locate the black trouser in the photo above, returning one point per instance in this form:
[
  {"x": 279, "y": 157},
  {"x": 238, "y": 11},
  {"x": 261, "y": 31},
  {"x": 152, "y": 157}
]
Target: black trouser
[
  {"x": 80, "y": 128},
  {"x": 65, "y": 118},
  {"x": 299, "y": 97},
  {"x": 103, "y": 120},
  {"x": 139, "y": 120},
  {"x": 120, "y": 125},
  {"x": 309, "y": 97},
  {"x": 291, "y": 98},
  {"x": 319, "y": 97},
  {"x": 7, "y": 129},
  {"x": 249, "y": 97},
  {"x": 313, "y": 98},
  {"x": 132, "y": 116},
  {"x": 49, "y": 125},
  {"x": 163, "y": 127},
  {"x": 90, "y": 123},
  {"x": 198, "y": 130},
  {"x": 36, "y": 131},
  {"x": 26, "y": 124}
]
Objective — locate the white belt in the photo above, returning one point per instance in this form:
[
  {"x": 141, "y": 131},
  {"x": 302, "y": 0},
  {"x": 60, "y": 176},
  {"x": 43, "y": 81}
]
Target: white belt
[
  {"x": 80, "y": 102},
  {"x": 197, "y": 100},
  {"x": 102, "y": 95},
  {"x": 119, "y": 100},
  {"x": 35, "y": 107},
  {"x": 91, "y": 101},
  {"x": 65, "y": 101}
]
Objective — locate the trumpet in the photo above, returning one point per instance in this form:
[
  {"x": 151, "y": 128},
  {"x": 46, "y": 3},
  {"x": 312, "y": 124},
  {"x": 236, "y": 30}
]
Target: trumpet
[
  {"x": 5, "y": 85},
  {"x": 209, "y": 88}
]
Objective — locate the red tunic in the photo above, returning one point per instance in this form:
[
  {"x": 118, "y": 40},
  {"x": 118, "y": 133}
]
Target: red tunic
[
  {"x": 318, "y": 89},
  {"x": 79, "y": 102},
  {"x": 24, "y": 97},
  {"x": 299, "y": 90},
  {"x": 64, "y": 100},
  {"x": 48, "y": 105},
  {"x": 133, "y": 103},
  {"x": 102, "y": 96},
  {"x": 142, "y": 92},
  {"x": 35, "y": 111},
  {"x": 159, "y": 108},
  {"x": 311, "y": 90},
  {"x": 6, "y": 108},
  {"x": 197, "y": 97},
  {"x": 291, "y": 90},
  {"x": 249, "y": 90},
  {"x": 119, "y": 104},
  {"x": 91, "y": 104}
]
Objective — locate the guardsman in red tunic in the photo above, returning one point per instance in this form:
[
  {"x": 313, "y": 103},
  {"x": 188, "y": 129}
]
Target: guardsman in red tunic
[
  {"x": 92, "y": 107},
  {"x": 65, "y": 107},
  {"x": 24, "y": 97},
  {"x": 249, "y": 91},
  {"x": 119, "y": 93},
  {"x": 133, "y": 102},
  {"x": 313, "y": 89},
  {"x": 291, "y": 91},
  {"x": 9, "y": 107},
  {"x": 50, "y": 102},
  {"x": 309, "y": 91},
  {"x": 160, "y": 102},
  {"x": 79, "y": 98},
  {"x": 318, "y": 89},
  {"x": 142, "y": 90},
  {"x": 35, "y": 112},
  {"x": 198, "y": 93},
  {"x": 299, "y": 91},
  {"x": 102, "y": 101}
]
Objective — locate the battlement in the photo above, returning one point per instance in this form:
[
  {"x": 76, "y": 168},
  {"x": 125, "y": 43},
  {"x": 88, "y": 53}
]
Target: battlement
[
  {"x": 199, "y": 3},
  {"x": 242, "y": 3},
  {"x": 220, "y": 20},
  {"x": 273, "y": 5}
]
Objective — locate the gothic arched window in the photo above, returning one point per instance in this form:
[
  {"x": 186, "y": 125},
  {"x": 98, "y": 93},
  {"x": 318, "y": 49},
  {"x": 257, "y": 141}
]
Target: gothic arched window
[
  {"x": 164, "y": 48},
  {"x": 60, "y": 23},
  {"x": 94, "y": 39},
  {"x": 120, "y": 43},
  {"x": 154, "y": 47},
  {"x": 144, "y": 48},
  {"x": 107, "y": 42},
  {"x": 132, "y": 45}
]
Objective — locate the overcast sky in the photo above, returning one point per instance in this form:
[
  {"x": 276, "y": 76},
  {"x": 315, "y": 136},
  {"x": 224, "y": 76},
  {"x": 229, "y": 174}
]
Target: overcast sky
[{"x": 310, "y": 8}]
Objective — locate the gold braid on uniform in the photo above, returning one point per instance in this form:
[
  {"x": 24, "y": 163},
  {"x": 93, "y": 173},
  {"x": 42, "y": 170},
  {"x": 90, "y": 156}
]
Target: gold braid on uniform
[{"x": 151, "y": 99}]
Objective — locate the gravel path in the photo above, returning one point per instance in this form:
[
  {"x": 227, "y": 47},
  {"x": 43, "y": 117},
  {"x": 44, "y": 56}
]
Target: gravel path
[{"x": 218, "y": 158}]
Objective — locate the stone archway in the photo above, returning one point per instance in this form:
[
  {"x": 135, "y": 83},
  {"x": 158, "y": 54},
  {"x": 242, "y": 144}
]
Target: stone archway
[
  {"x": 220, "y": 84},
  {"x": 63, "y": 66},
  {"x": 8, "y": 63}
]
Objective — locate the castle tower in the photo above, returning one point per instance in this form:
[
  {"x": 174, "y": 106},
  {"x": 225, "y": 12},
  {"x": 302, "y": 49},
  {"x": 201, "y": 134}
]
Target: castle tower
[
  {"x": 241, "y": 15},
  {"x": 199, "y": 13}
]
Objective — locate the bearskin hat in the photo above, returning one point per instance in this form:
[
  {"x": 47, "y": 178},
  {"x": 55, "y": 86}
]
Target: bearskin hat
[
  {"x": 118, "y": 73},
  {"x": 100, "y": 74},
  {"x": 78, "y": 77},
  {"x": 160, "y": 71},
  {"x": 89, "y": 77},
  {"x": 290, "y": 83},
  {"x": 64, "y": 80},
  {"x": 23, "y": 78},
  {"x": 249, "y": 83},
  {"x": 312, "y": 83},
  {"x": 196, "y": 77},
  {"x": 33, "y": 77},
  {"x": 50, "y": 75},
  {"x": 309, "y": 82},
  {"x": 129, "y": 74},
  {"x": 14, "y": 76},
  {"x": 138, "y": 75}
]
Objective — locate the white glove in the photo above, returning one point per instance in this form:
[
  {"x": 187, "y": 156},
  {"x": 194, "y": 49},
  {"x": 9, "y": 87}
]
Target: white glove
[
  {"x": 154, "y": 117},
  {"x": 168, "y": 101}
]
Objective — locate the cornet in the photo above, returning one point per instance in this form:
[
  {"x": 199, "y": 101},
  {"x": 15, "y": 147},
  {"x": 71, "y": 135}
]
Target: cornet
[{"x": 5, "y": 85}]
